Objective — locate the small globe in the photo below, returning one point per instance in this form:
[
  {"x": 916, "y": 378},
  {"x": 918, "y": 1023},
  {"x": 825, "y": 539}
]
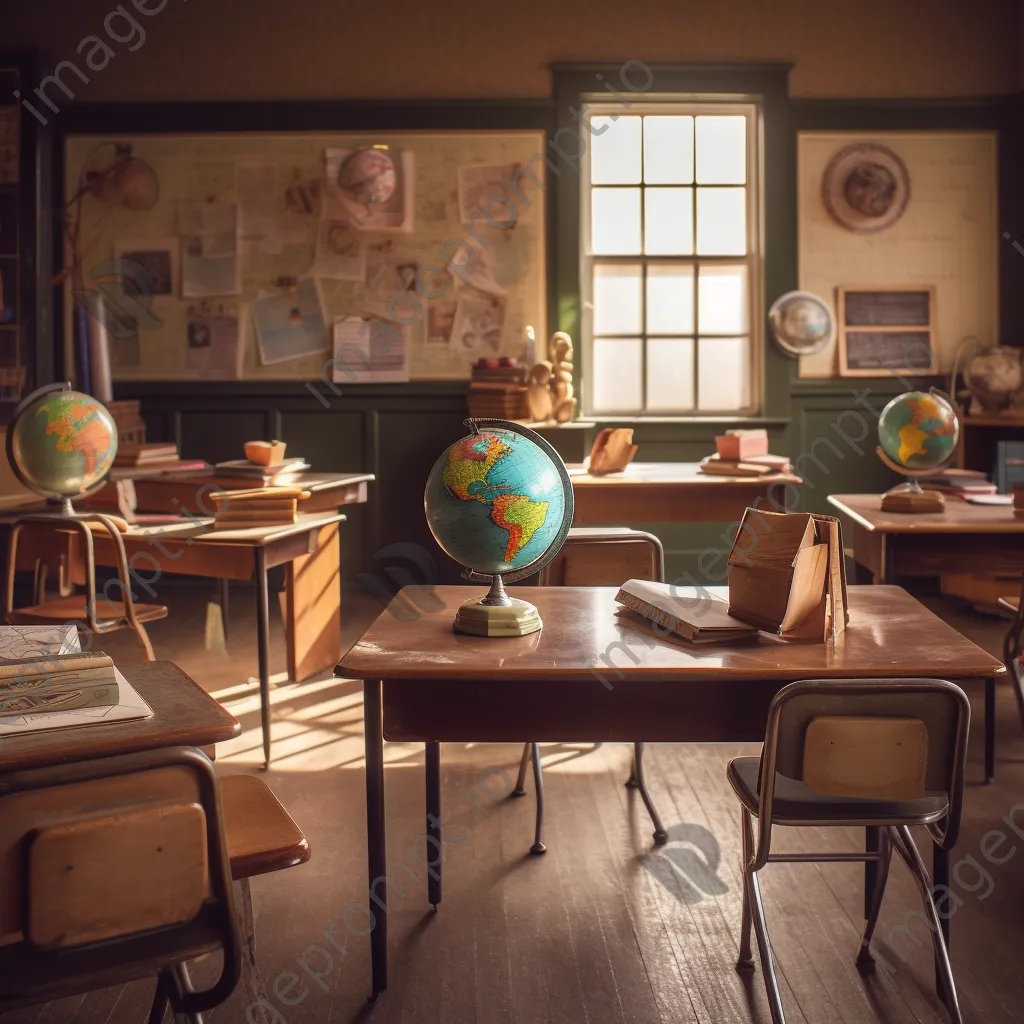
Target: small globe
[
  {"x": 918, "y": 431},
  {"x": 62, "y": 443},
  {"x": 499, "y": 501}
]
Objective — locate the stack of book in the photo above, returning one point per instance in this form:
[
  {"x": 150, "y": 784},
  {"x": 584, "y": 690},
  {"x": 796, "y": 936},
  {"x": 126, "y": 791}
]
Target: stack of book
[
  {"x": 282, "y": 472},
  {"x": 66, "y": 682},
  {"x": 744, "y": 453},
  {"x": 497, "y": 389},
  {"x": 960, "y": 483},
  {"x": 151, "y": 459},
  {"x": 258, "y": 506},
  {"x": 699, "y": 618}
]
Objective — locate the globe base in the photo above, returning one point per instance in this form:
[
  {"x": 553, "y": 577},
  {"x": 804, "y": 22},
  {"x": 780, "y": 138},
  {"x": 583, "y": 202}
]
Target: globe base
[
  {"x": 910, "y": 497},
  {"x": 517, "y": 618}
]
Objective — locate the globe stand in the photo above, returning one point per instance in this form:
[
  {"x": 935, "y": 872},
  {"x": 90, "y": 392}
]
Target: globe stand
[
  {"x": 911, "y": 497},
  {"x": 497, "y": 614}
]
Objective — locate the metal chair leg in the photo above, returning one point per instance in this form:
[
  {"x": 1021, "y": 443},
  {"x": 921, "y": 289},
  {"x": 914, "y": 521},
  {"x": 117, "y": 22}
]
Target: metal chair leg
[
  {"x": 538, "y": 780},
  {"x": 660, "y": 835},
  {"x": 764, "y": 948},
  {"x": 745, "y": 962},
  {"x": 143, "y": 637},
  {"x": 184, "y": 984},
  {"x": 158, "y": 1010},
  {"x": 631, "y": 782},
  {"x": 251, "y": 977},
  {"x": 864, "y": 957},
  {"x": 907, "y": 849},
  {"x": 520, "y": 789}
]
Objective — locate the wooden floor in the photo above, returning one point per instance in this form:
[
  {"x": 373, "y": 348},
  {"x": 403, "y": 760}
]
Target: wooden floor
[{"x": 605, "y": 927}]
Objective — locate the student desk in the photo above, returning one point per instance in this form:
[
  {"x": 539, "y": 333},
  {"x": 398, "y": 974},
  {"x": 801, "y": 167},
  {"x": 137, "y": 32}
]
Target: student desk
[
  {"x": 309, "y": 551},
  {"x": 964, "y": 538},
  {"x": 590, "y": 674},
  {"x": 184, "y": 715},
  {"x": 674, "y": 492}
]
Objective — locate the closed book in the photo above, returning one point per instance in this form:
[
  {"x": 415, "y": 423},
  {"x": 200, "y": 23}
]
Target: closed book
[
  {"x": 698, "y": 618},
  {"x": 243, "y": 467},
  {"x": 254, "y": 518},
  {"x": 721, "y": 467}
]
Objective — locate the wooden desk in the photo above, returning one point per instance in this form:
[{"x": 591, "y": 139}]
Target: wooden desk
[
  {"x": 674, "y": 492},
  {"x": 177, "y": 492},
  {"x": 184, "y": 715},
  {"x": 308, "y": 549},
  {"x": 423, "y": 683},
  {"x": 964, "y": 538}
]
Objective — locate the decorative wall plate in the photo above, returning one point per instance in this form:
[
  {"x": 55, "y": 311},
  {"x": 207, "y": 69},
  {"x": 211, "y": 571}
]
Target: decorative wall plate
[{"x": 866, "y": 187}]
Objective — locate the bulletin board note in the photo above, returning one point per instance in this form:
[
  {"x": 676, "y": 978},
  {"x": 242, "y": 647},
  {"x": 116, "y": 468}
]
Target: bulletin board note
[
  {"x": 947, "y": 238},
  {"x": 260, "y": 244}
]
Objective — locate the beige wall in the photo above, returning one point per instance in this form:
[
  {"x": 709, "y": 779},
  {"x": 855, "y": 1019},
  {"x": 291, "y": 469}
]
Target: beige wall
[{"x": 293, "y": 49}]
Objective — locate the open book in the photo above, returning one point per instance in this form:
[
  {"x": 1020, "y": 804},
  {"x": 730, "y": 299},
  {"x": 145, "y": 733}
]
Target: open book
[
  {"x": 700, "y": 618},
  {"x": 787, "y": 574}
]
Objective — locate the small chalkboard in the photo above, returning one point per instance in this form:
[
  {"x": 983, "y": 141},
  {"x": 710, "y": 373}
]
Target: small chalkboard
[{"x": 886, "y": 329}]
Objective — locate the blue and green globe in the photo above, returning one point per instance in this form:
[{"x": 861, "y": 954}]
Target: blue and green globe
[
  {"x": 62, "y": 443},
  {"x": 497, "y": 502},
  {"x": 919, "y": 431}
]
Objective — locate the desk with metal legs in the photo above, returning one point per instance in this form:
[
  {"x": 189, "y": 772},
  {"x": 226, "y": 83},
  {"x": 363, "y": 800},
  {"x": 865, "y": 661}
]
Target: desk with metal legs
[{"x": 422, "y": 683}]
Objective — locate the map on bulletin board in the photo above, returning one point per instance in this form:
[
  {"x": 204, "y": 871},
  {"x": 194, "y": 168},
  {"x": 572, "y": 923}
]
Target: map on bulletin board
[{"x": 263, "y": 253}]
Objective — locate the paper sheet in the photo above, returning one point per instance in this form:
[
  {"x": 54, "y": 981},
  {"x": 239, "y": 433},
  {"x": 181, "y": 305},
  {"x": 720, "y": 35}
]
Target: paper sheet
[
  {"x": 340, "y": 249},
  {"x": 260, "y": 210},
  {"x": 479, "y": 322},
  {"x": 370, "y": 351},
  {"x": 486, "y": 193},
  {"x": 291, "y": 324},
  {"x": 209, "y": 257},
  {"x": 214, "y": 351},
  {"x": 391, "y": 278},
  {"x": 149, "y": 266}
]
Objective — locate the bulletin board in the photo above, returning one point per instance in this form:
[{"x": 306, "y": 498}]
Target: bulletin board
[
  {"x": 948, "y": 236},
  {"x": 265, "y": 251}
]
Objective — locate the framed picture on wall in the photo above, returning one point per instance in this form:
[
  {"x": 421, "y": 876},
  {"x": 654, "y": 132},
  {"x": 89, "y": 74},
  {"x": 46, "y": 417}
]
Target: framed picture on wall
[{"x": 886, "y": 329}]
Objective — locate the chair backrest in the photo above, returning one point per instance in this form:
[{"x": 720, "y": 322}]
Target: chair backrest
[
  {"x": 873, "y": 738},
  {"x": 112, "y": 870},
  {"x": 592, "y": 557},
  {"x": 69, "y": 541}
]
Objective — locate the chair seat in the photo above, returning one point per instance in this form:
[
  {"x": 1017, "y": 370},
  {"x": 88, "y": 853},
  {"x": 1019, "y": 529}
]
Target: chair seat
[
  {"x": 796, "y": 804},
  {"x": 73, "y": 609},
  {"x": 261, "y": 835}
]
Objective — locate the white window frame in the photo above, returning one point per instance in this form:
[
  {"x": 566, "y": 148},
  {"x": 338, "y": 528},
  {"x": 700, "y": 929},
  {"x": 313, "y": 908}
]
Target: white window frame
[{"x": 681, "y": 105}]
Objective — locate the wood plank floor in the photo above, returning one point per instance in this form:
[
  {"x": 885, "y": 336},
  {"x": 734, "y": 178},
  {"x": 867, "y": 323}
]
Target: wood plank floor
[{"x": 605, "y": 928}]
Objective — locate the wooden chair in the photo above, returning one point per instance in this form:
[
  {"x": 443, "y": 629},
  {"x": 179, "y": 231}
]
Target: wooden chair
[
  {"x": 111, "y": 871},
  {"x": 885, "y": 754},
  {"x": 66, "y": 543},
  {"x": 598, "y": 557},
  {"x": 1013, "y": 649}
]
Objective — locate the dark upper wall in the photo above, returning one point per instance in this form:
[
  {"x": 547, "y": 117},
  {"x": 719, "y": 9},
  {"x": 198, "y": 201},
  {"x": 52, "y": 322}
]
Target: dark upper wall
[{"x": 295, "y": 49}]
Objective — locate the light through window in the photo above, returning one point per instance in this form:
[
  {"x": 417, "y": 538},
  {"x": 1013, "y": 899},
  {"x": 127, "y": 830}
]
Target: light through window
[{"x": 670, "y": 274}]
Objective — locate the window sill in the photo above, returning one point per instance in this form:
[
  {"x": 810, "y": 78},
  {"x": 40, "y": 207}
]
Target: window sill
[{"x": 737, "y": 420}]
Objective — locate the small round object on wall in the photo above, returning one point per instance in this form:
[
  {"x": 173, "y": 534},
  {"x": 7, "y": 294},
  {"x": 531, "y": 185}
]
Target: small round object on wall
[
  {"x": 368, "y": 175},
  {"x": 802, "y": 323},
  {"x": 866, "y": 187}
]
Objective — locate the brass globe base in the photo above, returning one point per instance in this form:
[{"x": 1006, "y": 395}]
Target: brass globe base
[{"x": 517, "y": 618}]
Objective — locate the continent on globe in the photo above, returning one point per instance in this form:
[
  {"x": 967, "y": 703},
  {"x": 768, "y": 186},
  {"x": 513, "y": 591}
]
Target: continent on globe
[
  {"x": 918, "y": 431},
  {"x": 77, "y": 428},
  {"x": 466, "y": 477}
]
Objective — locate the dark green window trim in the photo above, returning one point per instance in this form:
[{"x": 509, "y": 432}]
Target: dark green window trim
[{"x": 769, "y": 83}]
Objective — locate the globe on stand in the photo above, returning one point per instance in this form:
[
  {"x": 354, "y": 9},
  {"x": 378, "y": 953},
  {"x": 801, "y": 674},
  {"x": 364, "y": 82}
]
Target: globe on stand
[
  {"x": 917, "y": 434},
  {"x": 61, "y": 444},
  {"x": 500, "y": 503}
]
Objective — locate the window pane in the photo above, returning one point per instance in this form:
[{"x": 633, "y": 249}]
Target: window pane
[
  {"x": 722, "y": 300},
  {"x": 669, "y": 299},
  {"x": 721, "y": 221},
  {"x": 668, "y": 150},
  {"x": 617, "y": 363},
  {"x": 668, "y": 221},
  {"x": 615, "y": 152},
  {"x": 722, "y": 373},
  {"x": 722, "y": 150},
  {"x": 615, "y": 221},
  {"x": 618, "y": 299},
  {"x": 669, "y": 374}
]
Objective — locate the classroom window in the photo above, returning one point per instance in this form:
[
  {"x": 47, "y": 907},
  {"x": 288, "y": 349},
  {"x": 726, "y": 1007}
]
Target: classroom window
[{"x": 670, "y": 274}]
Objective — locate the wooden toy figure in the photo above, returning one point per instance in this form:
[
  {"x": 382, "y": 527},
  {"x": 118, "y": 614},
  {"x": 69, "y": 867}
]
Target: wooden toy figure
[
  {"x": 561, "y": 385},
  {"x": 539, "y": 401}
]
